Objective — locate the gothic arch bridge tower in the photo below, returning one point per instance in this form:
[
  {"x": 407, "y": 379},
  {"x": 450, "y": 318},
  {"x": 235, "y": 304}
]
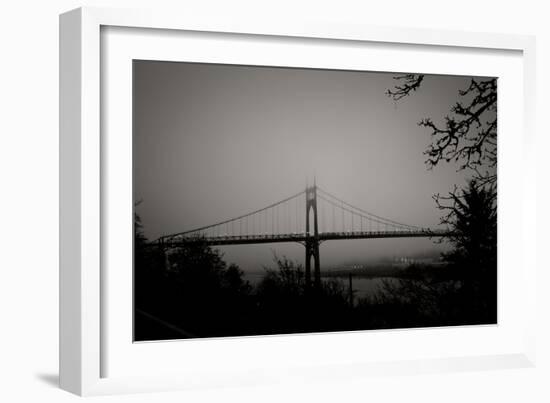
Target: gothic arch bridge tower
[{"x": 312, "y": 237}]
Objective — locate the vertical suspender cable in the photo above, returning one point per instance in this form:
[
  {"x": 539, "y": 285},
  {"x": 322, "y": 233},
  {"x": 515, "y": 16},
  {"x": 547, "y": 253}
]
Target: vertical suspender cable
[
  {"x": 333, "y": 219},
  {"x": 288, "y": 216},
  {"x": 343, "y": 222},
  {"x": 297, "y": 215}
]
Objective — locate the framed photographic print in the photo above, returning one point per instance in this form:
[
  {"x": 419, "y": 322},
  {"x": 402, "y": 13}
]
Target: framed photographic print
[{"x": 308, "y": 199}]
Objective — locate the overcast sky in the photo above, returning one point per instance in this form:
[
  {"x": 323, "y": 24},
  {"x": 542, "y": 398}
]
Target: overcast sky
[{"x": 212, "y": 142}]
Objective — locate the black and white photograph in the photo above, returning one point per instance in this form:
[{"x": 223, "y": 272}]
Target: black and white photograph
[
  {"x": 266, "y": 202},
  {"x": 278, "y": 200}
]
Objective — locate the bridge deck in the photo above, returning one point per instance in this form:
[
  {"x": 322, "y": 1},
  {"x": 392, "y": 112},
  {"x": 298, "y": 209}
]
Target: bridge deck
[{"x": 302, "y": 237}]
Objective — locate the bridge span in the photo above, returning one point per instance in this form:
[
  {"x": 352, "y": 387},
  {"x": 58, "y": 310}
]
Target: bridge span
[{"x": 325, "y": 218}]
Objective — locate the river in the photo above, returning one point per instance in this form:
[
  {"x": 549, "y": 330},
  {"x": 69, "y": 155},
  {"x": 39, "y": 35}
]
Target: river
[{"x": 362, "y": 286}]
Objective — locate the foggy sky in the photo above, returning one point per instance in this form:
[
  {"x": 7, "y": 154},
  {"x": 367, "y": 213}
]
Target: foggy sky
[{"x": 212, "y": 142}]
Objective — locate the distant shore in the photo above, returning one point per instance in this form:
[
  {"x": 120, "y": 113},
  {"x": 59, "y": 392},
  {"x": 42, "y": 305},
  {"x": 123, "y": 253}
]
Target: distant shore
[{"x": 385, "y": 271}]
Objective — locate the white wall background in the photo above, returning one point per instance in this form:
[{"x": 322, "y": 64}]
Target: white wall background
[{"x": 29, "y": 198}]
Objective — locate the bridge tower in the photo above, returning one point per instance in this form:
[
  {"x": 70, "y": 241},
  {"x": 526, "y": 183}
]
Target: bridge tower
[{"x": 312, "y": 240}]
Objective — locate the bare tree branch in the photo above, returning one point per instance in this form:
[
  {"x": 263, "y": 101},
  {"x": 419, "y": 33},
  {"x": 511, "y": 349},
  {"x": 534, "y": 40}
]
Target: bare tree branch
[
  {"x": 468, "y": 135},
  {"x": 411, "y": 82}
]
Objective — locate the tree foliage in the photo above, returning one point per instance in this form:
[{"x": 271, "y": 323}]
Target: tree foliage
[
  {"x": 473, "y": 220},
  {"x": 467, "y": 136},
  {"x": 464, "y": 290}
]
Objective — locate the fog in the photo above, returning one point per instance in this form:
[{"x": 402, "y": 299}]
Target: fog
[{"x": 212, "y": 142}]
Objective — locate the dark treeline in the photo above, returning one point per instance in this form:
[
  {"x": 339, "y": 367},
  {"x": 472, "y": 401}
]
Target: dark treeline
[{"x": 192, "y": 292}]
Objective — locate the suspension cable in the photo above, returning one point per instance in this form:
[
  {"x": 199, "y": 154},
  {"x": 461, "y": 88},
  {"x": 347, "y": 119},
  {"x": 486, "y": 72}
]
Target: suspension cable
[{"x": 364, "y": 211}]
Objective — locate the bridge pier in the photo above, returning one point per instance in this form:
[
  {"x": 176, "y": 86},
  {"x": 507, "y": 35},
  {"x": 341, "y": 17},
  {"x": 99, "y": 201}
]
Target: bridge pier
[
  {"x": 308, "y": 265},
  {"x": 312, "y": 241},
  {"x": 312, "y": 251},
  {"x": 310, "y": 238},
  {"x": 164, "y": 255}
]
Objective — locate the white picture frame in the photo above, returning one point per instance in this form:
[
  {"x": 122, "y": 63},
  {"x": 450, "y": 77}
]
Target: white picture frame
[{"x": 87, "y": 343}]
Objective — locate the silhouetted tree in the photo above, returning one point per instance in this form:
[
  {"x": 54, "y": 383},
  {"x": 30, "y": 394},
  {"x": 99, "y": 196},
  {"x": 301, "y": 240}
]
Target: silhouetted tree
[
  {"x": 146, "y": 260},
  {"x": 288, "y": 277},
  {"x": 468, "y": 137},
  {"x": 139, "y": 237},
  {"x": 469, "y": 133},
  {"x": 190, "y": 288},
  {"x": 287, "y": 305},
  {"x": 233, "y": 279},
  {"x": 414, "y": 302},
  {"x": 140, "y": 241},
  {"x": 473, "y": 218},
  {"x": 465, "y": 291}
]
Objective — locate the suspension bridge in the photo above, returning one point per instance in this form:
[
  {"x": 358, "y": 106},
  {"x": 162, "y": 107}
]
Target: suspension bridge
[{"x": 325, "y": 217}]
